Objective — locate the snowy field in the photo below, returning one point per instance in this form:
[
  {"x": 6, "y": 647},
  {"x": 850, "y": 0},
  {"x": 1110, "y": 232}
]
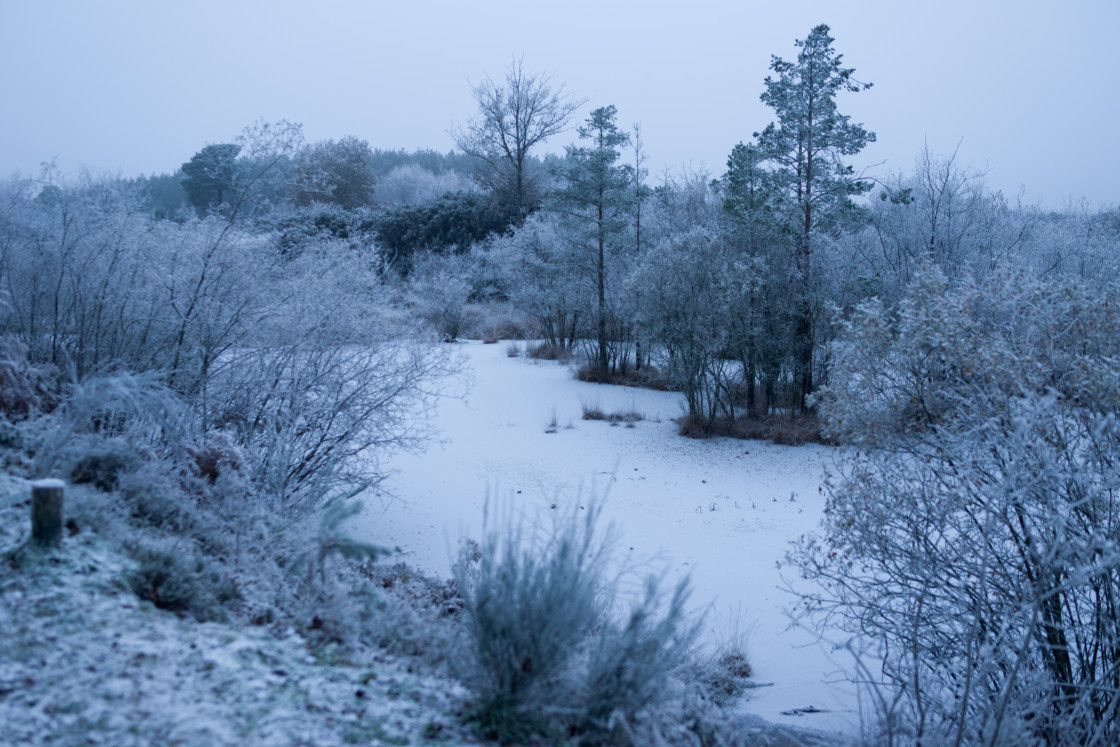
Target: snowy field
[{"x": 721, "y": 510}]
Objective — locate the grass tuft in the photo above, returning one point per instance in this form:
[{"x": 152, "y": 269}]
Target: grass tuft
[{"x": 593, "y": 411}]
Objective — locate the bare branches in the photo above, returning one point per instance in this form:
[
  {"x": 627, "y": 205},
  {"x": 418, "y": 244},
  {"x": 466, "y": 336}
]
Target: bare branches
[{"x": 514, "y": 117}]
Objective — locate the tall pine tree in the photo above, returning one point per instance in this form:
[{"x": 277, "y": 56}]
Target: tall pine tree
[
  {"x": 807, "y": 145},
  {"x": 597, "y": 199}
]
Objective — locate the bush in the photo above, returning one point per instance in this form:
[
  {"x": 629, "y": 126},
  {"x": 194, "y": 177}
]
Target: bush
[
  {"x": 782, "y": 429},
  {"x": 975, "y": 533},
  {"x": 103, "y": 467},
  {"x": 592, "y": 411},
  {"x": 630, "y": 664},
  {"x": 439, "y": 291},
  {"x": 530, "y": 600},
  {"x": 24, "y": 389},
  {"x": 545, "y": 655},
  {"x": 548, "y": 351},
  {"x": 646, "y": 377},
  {"x": 178, "y": 579}
]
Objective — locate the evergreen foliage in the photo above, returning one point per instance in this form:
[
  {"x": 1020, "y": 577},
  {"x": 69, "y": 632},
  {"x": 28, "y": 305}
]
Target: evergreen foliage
[
  {"x": 451, "y": 223},
  {"x": 208, "y": 177},
  {"x": 595, "y": 203},
  {"x": 336, "y": 173},
  {"x": 807, "y": 145}
]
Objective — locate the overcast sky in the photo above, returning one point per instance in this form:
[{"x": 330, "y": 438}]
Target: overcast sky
[{"x": 1030, "y": 89}]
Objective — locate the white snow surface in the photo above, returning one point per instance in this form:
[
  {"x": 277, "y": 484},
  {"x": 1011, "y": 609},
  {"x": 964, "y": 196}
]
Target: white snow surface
[
  {"x": 84, "y": 661},
  {"x": 721, "y": 510}
]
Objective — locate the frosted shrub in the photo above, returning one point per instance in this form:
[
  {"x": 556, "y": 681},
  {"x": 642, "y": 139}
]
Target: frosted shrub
[
  {"x": 313, "y": 420},
  {"x": 24, "y": 389},
  {"x": 975, "y": 535},
  {"x": 530, "y": 600},
  {"x": 542, "y": 276},
  {"x": 439, "y": 289},
  {"x": 182, "y": 580},
  {"x": 631, "y": 660},
  {"x": 690, "y": 294},
  {"x": 545, "y": 654},
  {"x": 107, "y": 425}
]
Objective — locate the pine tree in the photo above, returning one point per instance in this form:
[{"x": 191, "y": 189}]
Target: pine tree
[
  {"x": 598, "y": 198},
  {"x": 208, "y": 177},
  {"x": 747, "y": 198},
  {"x": 807, "y": 144}
]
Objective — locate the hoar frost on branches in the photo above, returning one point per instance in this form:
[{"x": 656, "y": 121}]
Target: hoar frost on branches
[{"x": 975, "y": 536}]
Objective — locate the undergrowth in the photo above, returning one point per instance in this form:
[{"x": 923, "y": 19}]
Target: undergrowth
[
  {"x": 553, "y": 650},
  {"x": 782, "y": 429}
]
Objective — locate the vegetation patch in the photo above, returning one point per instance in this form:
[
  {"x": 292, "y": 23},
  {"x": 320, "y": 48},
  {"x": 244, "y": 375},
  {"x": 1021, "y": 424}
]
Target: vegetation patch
[
  {"x": 646, "y": 377},
  {"x": 781, "y": 428},
  {"x": 549, "y": 351},
  {"x": 595, "y": 412}
]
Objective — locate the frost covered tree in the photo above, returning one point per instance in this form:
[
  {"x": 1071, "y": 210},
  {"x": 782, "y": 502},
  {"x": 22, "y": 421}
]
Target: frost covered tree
[
  {"x": 513, "y": 118},
  {"x": 689, "y": 292},
  {"x": 972, "y": 543},
  {"x": 596, "y": 204},
  {"x": 807, "y": 144},
  {"x": 762, "y": 337},
  {"x": 412, "y": 184},
  {"x": 335, "y": 172},
  {"x": 208, "y": 176},
  {"x": 940, "y": 213},
  {"x": 542, "y": 275}
]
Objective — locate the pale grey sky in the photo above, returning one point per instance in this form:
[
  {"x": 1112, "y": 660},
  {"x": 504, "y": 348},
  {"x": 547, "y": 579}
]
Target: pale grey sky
[{"x": 1030, "y": 89}]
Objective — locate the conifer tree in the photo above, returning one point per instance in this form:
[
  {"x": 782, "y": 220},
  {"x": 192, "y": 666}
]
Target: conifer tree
[
  {"x": 807, "y": 144},
  {"x": 597, "y": 199}
]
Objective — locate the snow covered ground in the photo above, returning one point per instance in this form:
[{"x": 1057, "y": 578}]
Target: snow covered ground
[
  {"x": 84, "y": 661},
  {"x": 721, "y": 510}
]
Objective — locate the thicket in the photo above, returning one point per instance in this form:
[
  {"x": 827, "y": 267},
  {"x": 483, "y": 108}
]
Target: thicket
[
  {"x": 971, "y": 544},
  {"x": 554, "y": 648},
  {"x": 215, "y": 402}
]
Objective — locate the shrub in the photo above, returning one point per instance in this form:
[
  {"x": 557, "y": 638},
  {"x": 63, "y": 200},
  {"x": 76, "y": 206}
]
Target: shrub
[
  {"x": 439, "y": 291},
  {"x": 782, "y": 429},
  {"x": 530, "y": 601},
  {"x": 549, "y": 352},
  {"x": 217, "y": 455},
  {"x": 545, "y": 655},
  {"x": 592, "y": 411},
  {"x": 646, "y": 377},
  {"x": 975, "y": 532},
  {"x": 179, "y": 579},
  {"x": 24, "y": 388},
  {"x": 103, "y": 466},
  {"x": 630, "y": 664}
]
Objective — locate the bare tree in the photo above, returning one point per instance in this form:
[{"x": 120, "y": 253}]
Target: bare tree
[{"x": 513, "y": 118}]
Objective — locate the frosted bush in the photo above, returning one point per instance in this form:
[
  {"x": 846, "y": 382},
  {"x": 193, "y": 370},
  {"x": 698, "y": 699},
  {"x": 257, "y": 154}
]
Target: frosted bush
[
  {"x": 546, "y": 656},
  {"x": 975, "y": 536}
]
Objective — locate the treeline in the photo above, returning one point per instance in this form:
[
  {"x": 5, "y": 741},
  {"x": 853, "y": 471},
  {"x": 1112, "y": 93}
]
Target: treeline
[{"x": 728, "y": 285}]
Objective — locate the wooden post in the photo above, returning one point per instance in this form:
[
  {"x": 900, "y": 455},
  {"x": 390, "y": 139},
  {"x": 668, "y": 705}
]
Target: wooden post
[{"x": 46, "y": 512}]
